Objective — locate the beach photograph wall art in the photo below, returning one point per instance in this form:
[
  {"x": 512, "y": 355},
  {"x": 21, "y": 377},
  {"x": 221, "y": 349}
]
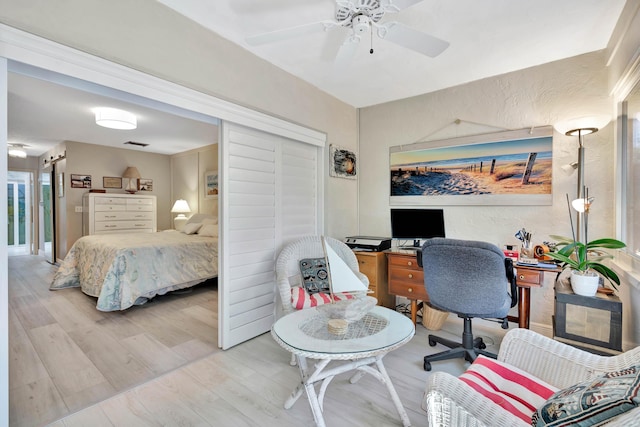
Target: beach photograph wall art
[{"x": 504, "y": 168}]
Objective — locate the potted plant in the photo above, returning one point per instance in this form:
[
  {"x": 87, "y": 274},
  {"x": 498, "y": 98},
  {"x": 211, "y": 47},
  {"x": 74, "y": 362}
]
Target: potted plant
[{"x": 585, "y": 261}]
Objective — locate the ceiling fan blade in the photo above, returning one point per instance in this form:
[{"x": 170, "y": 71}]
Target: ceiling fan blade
[
  {"x": 398, "y": 5},
  {"x": 412, "y": 39},
  {"x": 289, "y": 33},
  {"x": 333, "y": 42}
]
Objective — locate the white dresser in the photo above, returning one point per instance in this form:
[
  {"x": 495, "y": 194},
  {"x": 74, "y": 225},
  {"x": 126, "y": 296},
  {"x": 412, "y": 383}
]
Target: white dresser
[{"x": 118, "y": 213}]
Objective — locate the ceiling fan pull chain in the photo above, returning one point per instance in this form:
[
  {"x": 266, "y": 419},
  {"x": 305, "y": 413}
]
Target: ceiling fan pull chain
[{"x": 371, "y": 35}]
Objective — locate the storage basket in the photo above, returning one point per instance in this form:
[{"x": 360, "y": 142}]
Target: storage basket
[{"x": 432, "y": 318}]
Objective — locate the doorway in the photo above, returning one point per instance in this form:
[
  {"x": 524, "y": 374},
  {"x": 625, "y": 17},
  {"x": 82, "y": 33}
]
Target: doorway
[{"x": 20, "y": 230}]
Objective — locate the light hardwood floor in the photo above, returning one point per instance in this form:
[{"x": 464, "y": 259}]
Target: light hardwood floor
[{"x": 152, "y": 366}]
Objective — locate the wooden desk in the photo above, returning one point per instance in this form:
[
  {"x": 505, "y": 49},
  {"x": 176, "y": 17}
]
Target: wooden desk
[{"x": 406, "y": 279}]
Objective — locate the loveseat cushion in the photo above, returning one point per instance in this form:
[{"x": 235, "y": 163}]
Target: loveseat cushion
[
  {"x": 301, "y": 299},
  {"x": 591, "y": 402},
  {"x": 507, "y": 386}
]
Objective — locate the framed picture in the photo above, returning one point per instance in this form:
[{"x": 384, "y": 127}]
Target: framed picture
[
  {"x": 60, "y": 188},
  {"x": 502, "y": 168},
  {"x": 342, "y": 163},
  {"x": 80, "y": 181},
  {"x": 111, "y": 182},
  {"x": 145, "y": 184},
  {"x": 211, "y": 185}
]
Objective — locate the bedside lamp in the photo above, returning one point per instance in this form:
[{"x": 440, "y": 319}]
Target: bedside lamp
[
  {"x": 181, "y": 207},
  {"x": 133, "y": 176}
]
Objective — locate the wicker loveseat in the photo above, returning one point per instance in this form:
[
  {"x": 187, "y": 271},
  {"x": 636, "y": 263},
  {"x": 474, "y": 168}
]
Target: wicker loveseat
[{"x": 451, "y": 402}]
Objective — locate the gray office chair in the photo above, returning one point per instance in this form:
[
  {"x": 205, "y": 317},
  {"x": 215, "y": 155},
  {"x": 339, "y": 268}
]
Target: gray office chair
[{"x": 471, "y": 279}]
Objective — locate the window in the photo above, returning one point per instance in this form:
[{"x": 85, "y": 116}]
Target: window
[{"x": 630, "y": 172}]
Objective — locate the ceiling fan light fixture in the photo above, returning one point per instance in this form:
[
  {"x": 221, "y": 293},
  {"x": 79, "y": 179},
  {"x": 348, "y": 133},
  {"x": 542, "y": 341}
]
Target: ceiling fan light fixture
[
  {"x": 17, "y": 150},
  {"x": 113, "y": 118}
]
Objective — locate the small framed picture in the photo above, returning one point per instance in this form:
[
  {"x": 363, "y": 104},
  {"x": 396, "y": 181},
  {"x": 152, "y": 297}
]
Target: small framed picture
[
  {"x": 80, "y": 181},
  {"x": 145, "y": 184},
  {"x": 211, "y": 185},
  {"x": 342, "y": 163},
  {"x": 111, "y": 182}
]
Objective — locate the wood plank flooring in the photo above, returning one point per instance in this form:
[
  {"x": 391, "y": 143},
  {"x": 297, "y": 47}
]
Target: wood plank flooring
[
  {"x": 159, "y": 365},
  {"x": 65, "y": 355}
]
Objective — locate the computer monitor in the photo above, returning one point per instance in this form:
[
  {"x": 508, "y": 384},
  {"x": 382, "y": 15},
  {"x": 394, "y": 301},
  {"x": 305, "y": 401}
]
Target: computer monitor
[{"x": 417, "y": 224}]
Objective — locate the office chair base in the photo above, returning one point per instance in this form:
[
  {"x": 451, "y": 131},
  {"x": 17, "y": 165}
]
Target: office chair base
[{"x": 470, "y": 347}]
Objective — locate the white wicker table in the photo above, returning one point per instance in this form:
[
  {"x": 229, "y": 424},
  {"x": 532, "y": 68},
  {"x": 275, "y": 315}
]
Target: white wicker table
[{"x": 304, "y": 333}]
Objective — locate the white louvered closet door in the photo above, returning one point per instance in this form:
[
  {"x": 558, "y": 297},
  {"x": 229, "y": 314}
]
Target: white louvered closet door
[{"x": 270, "y": 194}]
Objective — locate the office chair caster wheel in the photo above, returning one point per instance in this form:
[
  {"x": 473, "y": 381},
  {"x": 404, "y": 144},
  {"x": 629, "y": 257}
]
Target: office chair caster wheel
[
  {"x": 482, "y": 345},
  {"x": 427, "y": 366},
  {"x": 432, "y": 343}
]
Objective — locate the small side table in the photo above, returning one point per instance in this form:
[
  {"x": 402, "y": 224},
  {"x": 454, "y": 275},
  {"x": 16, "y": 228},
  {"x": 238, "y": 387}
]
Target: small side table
[
  {"x": 304, "y": 333},
  {"x": 591, "y": 323}
]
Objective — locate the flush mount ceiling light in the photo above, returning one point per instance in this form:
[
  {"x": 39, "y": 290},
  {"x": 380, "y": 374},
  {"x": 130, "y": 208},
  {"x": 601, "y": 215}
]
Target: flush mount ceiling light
[
  {"x": 17, "y": 150},
  {"x": 115, "y": 119}
]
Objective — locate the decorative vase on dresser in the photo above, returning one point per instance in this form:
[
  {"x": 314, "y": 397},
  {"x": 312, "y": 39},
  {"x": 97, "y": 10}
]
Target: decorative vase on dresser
[{"x": 118, "y": 213}]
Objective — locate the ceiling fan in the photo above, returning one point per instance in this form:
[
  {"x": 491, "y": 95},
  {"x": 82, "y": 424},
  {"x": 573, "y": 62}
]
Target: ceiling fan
[{"x": 362, "y": 17}]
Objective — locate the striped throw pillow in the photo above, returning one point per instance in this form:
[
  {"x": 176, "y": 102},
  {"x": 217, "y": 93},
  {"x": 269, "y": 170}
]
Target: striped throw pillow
[
  {"x": 507, "y": 386},
  {"x": 300, "y": 298}
]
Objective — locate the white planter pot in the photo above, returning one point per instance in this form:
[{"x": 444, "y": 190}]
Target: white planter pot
[{"x": 584, "y": 282}]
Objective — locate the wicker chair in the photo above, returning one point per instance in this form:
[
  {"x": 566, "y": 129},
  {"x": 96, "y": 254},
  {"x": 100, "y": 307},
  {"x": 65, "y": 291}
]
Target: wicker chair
[
  {"x": 451, "y": 402},
  {"x": 288, "y": 268}
]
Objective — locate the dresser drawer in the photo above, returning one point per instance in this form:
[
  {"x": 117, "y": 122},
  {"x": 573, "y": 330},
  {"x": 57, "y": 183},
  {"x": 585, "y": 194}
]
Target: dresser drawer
[
  {"x": 136, "y": 202},
  {"x": 141, "y": 207},
  {"x": 412, "y": 289},
  {"x": 123, "y": 225},
  {"x": 123, "y": 215},
  {"x": 368, "y": 266},
  {"x": 526, "y": 277},
  {"x": 110, "y": 201},
  {"x": 110, "y": 208},
  {"x": 404, "y": 261}
]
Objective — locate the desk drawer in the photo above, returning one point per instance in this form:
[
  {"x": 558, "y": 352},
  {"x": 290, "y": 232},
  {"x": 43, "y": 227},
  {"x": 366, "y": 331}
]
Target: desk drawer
[
  {"x": 529, "y": 277},
  {"x": 411, "y": 290},
  {"x": 410, "y": 262}
]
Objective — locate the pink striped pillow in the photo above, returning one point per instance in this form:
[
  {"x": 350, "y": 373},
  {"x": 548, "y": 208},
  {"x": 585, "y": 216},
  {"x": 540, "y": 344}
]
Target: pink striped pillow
[
  {"x": 513, "y": 389},
  {"x": 300, "y": 298}
]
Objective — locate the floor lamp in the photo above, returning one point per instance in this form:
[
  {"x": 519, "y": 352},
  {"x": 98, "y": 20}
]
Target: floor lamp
[{"x": 580, "y": 132}]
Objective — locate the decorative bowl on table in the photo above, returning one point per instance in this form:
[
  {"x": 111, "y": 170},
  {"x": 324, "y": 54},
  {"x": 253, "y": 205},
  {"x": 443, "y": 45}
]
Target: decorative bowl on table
[{"x": 349, "y": 310}]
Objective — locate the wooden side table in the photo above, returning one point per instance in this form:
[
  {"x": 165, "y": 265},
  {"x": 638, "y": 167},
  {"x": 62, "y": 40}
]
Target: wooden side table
[
  {"x": 374, "y": 266},
  {"x": 527, "y": 277}
]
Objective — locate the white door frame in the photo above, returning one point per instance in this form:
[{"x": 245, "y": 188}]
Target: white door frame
[{"x": 19, "y": 47}]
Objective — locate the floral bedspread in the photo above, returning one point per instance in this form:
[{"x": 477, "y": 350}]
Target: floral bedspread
[{"x": 122, "y": 270}]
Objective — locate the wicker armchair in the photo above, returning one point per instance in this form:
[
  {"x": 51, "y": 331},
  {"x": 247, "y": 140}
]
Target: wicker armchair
[
  {"x": 288, "y": 269},
  {"x": 450, "y": 402}
]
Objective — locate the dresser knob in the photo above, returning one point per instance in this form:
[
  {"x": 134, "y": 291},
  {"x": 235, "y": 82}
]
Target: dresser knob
[
  {"x": 410, "y": 290},
  {"x": 521, "y": 277},
  {"x": 409, "y": 263},
  {"x": 410, "y": 276}
]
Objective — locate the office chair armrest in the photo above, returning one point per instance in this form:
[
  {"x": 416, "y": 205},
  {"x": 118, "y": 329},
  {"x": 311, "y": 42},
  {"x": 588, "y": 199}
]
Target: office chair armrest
[{"x": 450, "y": 402}]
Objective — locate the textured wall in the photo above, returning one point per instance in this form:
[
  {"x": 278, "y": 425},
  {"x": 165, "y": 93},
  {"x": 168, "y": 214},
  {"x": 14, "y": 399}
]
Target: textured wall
[{"x": 542, "y": 95}]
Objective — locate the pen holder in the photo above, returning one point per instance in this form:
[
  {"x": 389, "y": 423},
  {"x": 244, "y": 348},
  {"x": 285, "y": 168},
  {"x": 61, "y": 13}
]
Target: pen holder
[{"x": 526, "y": 250}]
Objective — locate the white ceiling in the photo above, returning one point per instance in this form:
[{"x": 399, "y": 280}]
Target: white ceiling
[
  {"x": 487, "y": 38},
  {"x": 46, "y": 110}
]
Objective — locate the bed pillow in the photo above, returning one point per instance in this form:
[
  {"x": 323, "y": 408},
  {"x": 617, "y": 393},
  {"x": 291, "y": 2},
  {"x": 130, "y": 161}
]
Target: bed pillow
[
  {"x": 315, "y": 277},
  {"x": 301, "y": 299},
  {"x": 591, "y": 402},
  {"x": 210, "y": 230},
  {"x": 199, "y": 218},
  {"x": 207, "y": 221},
  {"x": 191, "y": 228},
  {"x": 513, "y": 389}
]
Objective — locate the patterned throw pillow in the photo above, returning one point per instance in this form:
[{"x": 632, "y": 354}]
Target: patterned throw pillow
[
  {"x": 591, "y": 402},
  {"x": 513, "y": 389},
  {"x": 315, "y": 277}
]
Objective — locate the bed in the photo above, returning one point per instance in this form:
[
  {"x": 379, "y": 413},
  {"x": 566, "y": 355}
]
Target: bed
[{"x": 123, "y": 270}]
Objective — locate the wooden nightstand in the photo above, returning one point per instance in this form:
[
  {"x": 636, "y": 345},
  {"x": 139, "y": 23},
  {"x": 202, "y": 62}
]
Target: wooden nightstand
[
  {"x": 374, "y": 266},
  {"x": 406, "y": 278}
]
